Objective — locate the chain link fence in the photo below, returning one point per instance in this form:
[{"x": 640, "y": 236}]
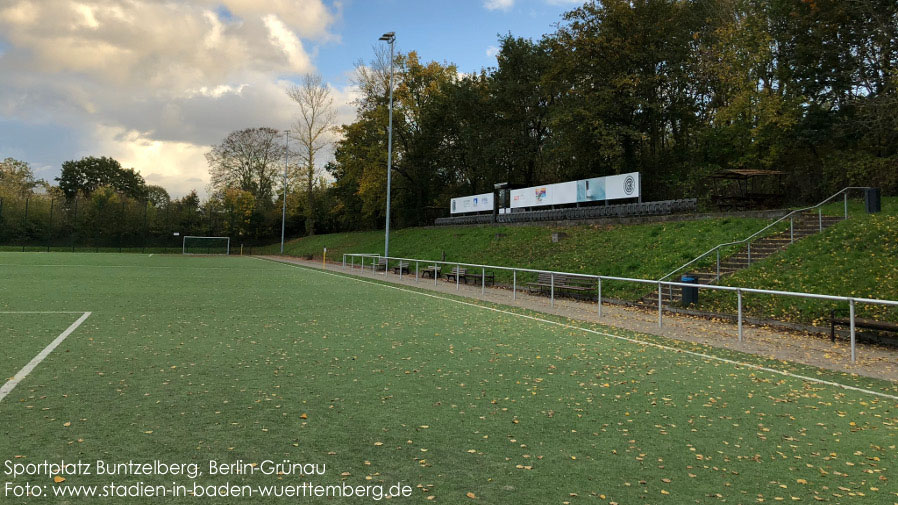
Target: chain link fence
[{"x": 46, "y": 223}]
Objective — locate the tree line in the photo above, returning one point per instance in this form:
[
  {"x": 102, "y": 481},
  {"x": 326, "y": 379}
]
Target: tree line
[
  {"x": 677, "y": 90},
  {"x": 98, "y": 204}
]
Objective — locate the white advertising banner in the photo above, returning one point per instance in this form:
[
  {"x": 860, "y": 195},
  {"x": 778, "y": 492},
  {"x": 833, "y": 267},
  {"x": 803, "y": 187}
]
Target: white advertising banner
[
  {"x": 477, "y": 203},
  {"x": 549, "y": 194},
  {"x": 622, "y": 186},
  {"x": 586, "y": 190}
]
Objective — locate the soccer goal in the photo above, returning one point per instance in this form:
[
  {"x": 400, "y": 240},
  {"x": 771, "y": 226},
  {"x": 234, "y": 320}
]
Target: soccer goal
[{"x": 206, "y": 245}]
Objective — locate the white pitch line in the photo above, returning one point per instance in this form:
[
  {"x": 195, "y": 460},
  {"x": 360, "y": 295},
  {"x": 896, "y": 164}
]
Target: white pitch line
[
  {"x": 596, "y": 332},
  {"x": 142, "y": 267},
  {"x": 41, "y": 312},
  {"x": 17, "y": 378}
]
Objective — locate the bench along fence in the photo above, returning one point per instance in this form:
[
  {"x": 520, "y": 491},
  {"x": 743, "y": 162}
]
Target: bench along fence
[{"x": 558, "y": 282}]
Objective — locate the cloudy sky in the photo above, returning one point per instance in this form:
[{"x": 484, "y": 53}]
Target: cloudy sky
[{"x": 154, "y": 83}]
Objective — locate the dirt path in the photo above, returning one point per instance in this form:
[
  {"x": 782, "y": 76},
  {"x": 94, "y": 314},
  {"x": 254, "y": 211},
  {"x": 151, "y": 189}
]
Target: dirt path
[{"x": 876, "y": 361}]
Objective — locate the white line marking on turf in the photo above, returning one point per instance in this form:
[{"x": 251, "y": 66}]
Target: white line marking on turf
[
  {"x": 142, "y": 267},
  {"x": 42, "y": 312},
  {"x": 596, "y": 332},
  {"x": 17, "y": 378}
]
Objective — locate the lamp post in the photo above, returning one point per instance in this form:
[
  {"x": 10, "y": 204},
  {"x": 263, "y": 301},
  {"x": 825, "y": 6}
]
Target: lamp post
[
  {"x": 390, "y": 38},
  {"x": 284, "y": 209}
]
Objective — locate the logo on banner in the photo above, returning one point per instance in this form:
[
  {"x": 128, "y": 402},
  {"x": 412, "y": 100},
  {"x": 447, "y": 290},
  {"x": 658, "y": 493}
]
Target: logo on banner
[
  {"x": 540, "y": 194},
  {"x": 629, "y": 185}
]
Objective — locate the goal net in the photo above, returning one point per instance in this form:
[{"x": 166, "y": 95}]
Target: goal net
[{"x": 207, "y": 245}]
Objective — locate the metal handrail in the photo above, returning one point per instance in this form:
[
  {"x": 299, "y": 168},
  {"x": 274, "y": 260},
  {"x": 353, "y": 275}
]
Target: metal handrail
[
  {"x": 852, "y": 301},
  {"x": 762, "y": 230}
]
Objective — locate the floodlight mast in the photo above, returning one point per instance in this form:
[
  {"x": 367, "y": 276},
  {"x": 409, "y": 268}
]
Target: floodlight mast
[
  {"x": 390, "y": 38},
  {"x": 284, "y": 209}
]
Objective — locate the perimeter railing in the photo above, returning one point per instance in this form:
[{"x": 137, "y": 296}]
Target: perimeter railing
[
  {"x": 377, "y": 263},
  {"x": 748, "y": 240}
]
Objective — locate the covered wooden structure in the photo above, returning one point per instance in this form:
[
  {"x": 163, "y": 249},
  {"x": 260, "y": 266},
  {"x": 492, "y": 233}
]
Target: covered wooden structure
[{"x": 747, "y": 189}]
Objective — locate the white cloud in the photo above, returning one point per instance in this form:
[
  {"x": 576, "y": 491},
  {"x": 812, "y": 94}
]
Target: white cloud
[
  {"x": 503, "y": 5},
  {"x": 156, "y": 83},
  {"x": 283, "y": 37},
  {"x": 177, "y": 166},
  {"x": 492, "y": 51}
]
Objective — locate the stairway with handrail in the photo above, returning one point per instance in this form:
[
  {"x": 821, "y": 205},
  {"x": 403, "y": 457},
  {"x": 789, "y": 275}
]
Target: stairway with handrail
[{"x": 758, "y": 246}]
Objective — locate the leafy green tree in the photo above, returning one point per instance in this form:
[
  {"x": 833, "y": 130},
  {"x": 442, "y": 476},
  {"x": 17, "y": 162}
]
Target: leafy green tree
[
  {"x": 17, "y": 178},
  {"x": 522, "y": 101},
  {"x": 248, "y": 159},
  {"x": 86, "y": 175},
  {"x": 158, "y": 196},
  {"x": 238, "y": 206}
]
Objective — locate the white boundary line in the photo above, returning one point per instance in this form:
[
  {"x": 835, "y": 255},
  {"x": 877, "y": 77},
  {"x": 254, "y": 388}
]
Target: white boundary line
[
  {"x": 17, "y": 378},
  {"x": 596, "y": 332},
  {"x": 41, "y": 312},
  {"x": 142, "y": 267}
]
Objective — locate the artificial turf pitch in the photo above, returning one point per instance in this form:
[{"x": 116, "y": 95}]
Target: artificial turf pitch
[{"x": 198, "y": 359}]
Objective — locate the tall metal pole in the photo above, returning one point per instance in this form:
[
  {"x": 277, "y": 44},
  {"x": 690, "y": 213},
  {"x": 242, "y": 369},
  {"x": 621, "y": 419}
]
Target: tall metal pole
[
  {"x": 284, "y": 209},
  {"x": 390, "y": 38}
]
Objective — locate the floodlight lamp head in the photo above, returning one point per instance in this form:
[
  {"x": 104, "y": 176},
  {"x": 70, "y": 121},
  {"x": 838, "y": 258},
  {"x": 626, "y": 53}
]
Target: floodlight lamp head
[{"x": 388, "y": 37}]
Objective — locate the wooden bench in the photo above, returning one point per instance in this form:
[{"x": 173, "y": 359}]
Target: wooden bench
[
  {"x": 870, "y": 324},
  {"x": 402, "y": 266},
  {"x": 490, "y": 277},
  {"x": 381, "y": 264},
  {"x": 432, "y": 271},
  {"x": 572, "y": 284},
  {"x": 456, "y": 274}
]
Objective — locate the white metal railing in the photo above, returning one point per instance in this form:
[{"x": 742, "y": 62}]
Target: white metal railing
[
  {"x": 790, "y": 216},
  {"x": 377, "y": 261}
]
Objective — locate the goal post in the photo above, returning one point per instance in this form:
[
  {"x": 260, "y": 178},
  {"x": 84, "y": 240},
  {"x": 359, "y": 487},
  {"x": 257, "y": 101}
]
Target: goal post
[{"x": 206, "y": 245}]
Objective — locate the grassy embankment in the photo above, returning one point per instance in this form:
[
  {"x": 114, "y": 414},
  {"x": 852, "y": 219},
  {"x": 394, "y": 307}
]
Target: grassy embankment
[
  {"x": 642, "y": 251},
  {"x": 858, "y": 257}
]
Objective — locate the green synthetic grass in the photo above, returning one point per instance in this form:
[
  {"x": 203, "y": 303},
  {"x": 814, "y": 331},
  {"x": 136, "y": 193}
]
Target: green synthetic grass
[
  {"x": 22, "y": 336},
  {"x": 196, "y": 359},
  {"x": 643, "y": 251}
]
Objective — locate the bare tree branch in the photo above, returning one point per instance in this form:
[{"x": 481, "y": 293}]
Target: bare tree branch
[{"x": 313, "y": 129}]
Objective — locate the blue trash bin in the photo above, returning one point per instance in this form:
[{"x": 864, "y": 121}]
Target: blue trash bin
[{"x": 690, "y": 294}]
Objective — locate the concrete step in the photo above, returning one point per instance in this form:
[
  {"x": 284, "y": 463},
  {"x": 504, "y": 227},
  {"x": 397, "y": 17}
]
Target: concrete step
[
  {"x": 766, "y": 248},
  {"x": 755, "y": 256}
]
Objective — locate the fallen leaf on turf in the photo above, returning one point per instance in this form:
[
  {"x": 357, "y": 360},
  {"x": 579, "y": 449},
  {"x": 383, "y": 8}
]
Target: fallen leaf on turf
[
  {"x": 303, "y": 416},
  {"x": 471, "y": 495},
  {"x": 67, "y": 424},
  {"x": 58, "y": 479}
]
